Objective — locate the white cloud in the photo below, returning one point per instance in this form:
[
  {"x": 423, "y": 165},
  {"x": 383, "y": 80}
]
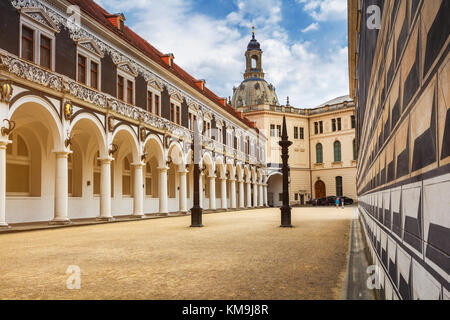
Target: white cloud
[
  {"x": 326, "y": 10},
  {"x": 312, "y": 27},
  {"x": 213, "y": 49}
]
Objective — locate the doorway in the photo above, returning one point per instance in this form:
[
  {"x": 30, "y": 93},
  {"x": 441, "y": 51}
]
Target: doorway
[{"x": 320, "y": 189}]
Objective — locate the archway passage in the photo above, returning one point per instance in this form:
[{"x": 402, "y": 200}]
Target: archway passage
[
  {"x": 274, "y": 190},
  {"x": 320, "y": 190}
]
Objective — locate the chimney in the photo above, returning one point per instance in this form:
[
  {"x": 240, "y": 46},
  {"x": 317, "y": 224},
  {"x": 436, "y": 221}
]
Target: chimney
[
  {"x": 200, "y": 84},
  {"x": 117, "y": 20},
  {"x": 168, "y": 59}
]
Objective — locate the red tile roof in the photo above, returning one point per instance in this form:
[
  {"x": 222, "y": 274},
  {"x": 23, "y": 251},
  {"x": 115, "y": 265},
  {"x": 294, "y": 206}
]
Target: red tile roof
[{"x": 98, "y": 13}]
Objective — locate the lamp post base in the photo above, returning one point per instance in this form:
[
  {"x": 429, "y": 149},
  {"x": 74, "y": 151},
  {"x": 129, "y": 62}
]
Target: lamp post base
[{"x": 196, "y": 217}]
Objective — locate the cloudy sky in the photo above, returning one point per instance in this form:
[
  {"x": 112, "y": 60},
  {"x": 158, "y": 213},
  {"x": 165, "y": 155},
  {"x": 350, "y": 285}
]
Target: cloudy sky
[{"x": 304, "y": 41}]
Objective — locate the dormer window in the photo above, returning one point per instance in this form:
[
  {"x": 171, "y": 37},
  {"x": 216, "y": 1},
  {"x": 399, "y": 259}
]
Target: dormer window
[{"x": 117, "y": 20}]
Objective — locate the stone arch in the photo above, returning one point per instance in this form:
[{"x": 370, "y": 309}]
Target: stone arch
[
  {"x": 127, "y": 142},
  {"x": 91, "y": 125},
  {"x": 175, "y": 153},
  {"x": 154, "y": 143},
  {"x": 39, "y": 112}
]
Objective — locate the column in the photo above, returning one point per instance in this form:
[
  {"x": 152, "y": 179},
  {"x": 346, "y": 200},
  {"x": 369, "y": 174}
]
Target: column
[
  {"x": 241, "y": 194},
  {"x": 183, "y": 195},
  {"x": 233, "y": 194},
  {"x": 266, "y": 200},
  {"x": 105, "y": 190},
  {"x": 261, "y": 198},
  {"x": 255, "y": 195},
  {"x": 163, "y": 197},
  {"x": 249, "y": 195},
  {"x": 3, "y": 145},
  {"x": 138, "y": 197},
  {"x": 61, "y": 189},
  {"x": 212, "y": 192},
  {"x": 200, "y": 188},
  {"x": 224, "y": 193}
]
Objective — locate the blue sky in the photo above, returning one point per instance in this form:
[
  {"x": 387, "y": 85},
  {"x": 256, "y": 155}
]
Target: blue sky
[{"x": 304, "y": 41}]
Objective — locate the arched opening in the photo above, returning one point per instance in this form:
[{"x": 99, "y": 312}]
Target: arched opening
[
  {"x": 319, "y": 189},
  {"x": 319, "y": 153},
  {"x": 31, "y": 161},
  {"x": 254, "y": 62},
  {"x": 275, "y": 190}
]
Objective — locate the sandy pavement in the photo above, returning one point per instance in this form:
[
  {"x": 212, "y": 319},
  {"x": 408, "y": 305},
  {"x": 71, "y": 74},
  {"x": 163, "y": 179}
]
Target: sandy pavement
[{"x": 237, "y": 255}]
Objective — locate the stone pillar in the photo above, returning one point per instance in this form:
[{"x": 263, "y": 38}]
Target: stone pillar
[
  {"x": 233, "y": 194},
  {"x": 138, "y": 197},
  {"x": 212, "y": 192},
  {"x": 200, "y": 188},
  {"x": 266, "y": 200},
  {"x": 224, "y": 193},
  {"x": 249, "y": 195},
  {"x": 261, "y": 197},
  {"x": 163, "y": 197},
  {"x": 61, "y": 189},
  {"x": 3, "y": 145},
  {"x": 105, "y": 190},
  {"x": 255, "y": 195},
  {"x": 241, "y": 194},
  {"x": 183, "y": 189}
]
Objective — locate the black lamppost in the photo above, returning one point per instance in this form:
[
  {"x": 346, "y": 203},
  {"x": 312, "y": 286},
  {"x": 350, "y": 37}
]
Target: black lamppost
[
  {"x": 285, "y": 208},
  {"x": 196, "y": 211}
]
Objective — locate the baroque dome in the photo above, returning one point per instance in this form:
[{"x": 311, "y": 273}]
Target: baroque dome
[{"x": 254, "y": 92}]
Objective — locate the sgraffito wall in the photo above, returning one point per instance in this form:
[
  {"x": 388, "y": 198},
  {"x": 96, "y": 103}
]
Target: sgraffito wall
[{"x": 403, "y": 175}]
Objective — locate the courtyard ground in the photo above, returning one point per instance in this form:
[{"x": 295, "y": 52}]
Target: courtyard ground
[{"x": 237, "y": 255}]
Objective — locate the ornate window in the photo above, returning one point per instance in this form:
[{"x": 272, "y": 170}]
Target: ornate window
[
  {"x": 89, "y": 63},
  {"x": 319, "y": 153},
  {"x": 153, "y": 98},
  {"x": 337, "y": 151},
  {"x": 37, "y": 34},
  {"x": 175, "y": 111},
  {"x": 125, "y": 83}
]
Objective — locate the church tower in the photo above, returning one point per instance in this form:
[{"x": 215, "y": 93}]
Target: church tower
[
  {"x": 253, "y": 57},
  {"x": 254, "y": 90}
]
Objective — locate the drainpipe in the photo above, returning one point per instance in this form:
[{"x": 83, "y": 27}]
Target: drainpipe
[{"x": 310, "y": 167}]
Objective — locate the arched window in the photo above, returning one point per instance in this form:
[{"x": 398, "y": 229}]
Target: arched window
[
  {"x": 18, "y": 168},
  {"x": 337, "y": 151},
  {"x": 355, "y": 151},
  {"x": 339, "y": 192},
  {"x": 319, "y": 153}
]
